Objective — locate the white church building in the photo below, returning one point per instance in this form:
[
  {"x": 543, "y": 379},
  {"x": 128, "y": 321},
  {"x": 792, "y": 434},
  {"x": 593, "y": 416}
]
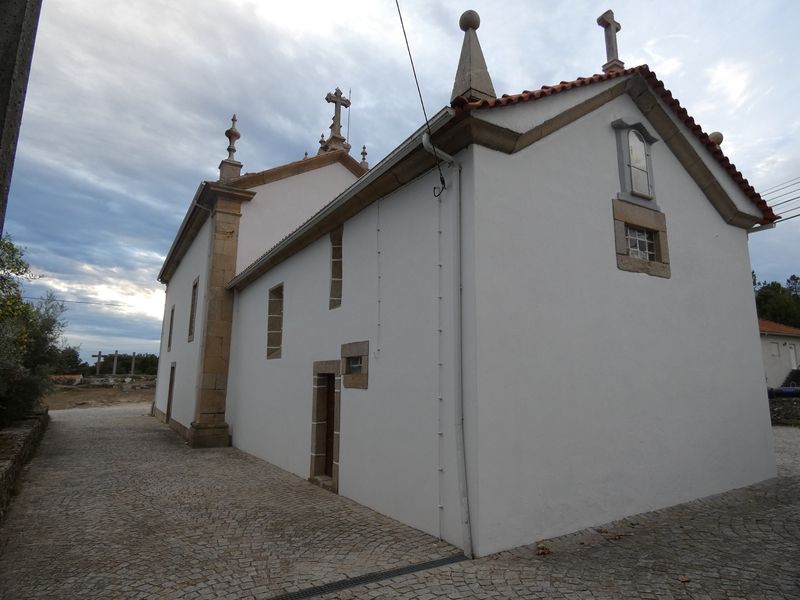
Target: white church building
[{"x": 533, "y": 316}]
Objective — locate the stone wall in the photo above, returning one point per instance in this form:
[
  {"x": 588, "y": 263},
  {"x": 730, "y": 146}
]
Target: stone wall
[
  {"x": 17, "y": 444},
  {"x": 784, "y": 411}
]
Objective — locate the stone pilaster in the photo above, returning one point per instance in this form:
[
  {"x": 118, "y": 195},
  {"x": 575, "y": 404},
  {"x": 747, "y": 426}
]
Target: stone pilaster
[{"x": 209, "y": 428}]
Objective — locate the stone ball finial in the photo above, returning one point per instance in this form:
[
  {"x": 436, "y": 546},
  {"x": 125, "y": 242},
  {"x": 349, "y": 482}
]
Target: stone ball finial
[
  {"x": 469, "y": 20},
  {"x": 715, "y": 137}
]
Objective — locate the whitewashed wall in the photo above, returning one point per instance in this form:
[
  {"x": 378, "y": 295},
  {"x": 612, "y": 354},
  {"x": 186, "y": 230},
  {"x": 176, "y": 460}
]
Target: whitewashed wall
[
  {"x": 185, "y": 354},
  {"x": 280, "y": 207},
  {"x": 777, "y": 359},
  {"x": 389, "y": 449},
  {"x": 603, "y": 393}
]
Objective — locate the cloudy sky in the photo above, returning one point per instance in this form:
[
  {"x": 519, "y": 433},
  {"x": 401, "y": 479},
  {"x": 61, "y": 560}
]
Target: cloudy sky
[{"x": 128, "y": 101}]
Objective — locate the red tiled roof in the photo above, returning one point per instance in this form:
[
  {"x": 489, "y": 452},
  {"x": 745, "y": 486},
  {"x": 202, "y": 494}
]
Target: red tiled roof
[
  {"x": 765, "y": 326},
  {"x": 463, "y": 104}
]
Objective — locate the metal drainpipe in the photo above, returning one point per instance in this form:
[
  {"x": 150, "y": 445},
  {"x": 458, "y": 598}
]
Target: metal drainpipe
[{"x": 466, "y": 522}]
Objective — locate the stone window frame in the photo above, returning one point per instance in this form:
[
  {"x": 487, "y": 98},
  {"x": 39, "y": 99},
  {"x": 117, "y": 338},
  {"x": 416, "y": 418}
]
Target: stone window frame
[
  {"x": 623, "y": 131},
  {"x": 649, "y": 219},
  {"x": 774, "y": 349},
  {"x": 335, "y": 299},
  {"x": 359, "y": 380},
  {"x": 275, "y": 306},
  {"x": 193, "y": 308},
  {"x": 171, "y": 327}
]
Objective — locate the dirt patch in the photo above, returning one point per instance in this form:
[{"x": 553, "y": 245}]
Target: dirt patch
[{"x": 69, "y": 397}]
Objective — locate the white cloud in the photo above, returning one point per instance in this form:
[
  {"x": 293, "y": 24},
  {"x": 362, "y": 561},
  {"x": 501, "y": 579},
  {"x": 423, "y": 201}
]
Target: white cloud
[{"x": 730, "y": 82}]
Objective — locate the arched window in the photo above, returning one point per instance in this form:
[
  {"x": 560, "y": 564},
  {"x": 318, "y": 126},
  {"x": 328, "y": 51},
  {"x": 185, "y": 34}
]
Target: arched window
[{"x": 637, "y": 151}]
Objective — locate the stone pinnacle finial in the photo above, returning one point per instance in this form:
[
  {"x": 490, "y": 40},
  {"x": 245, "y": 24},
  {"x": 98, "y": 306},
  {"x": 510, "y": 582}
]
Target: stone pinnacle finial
[
  {"x": 232, "y": 134},
  {"x": 607, "y": 22},
  {"x": 364, "y": 162},
  {"x": 472, "y": 77},
  {"x": 230, "y": 167},
  {"x": 336, "y": 141}
]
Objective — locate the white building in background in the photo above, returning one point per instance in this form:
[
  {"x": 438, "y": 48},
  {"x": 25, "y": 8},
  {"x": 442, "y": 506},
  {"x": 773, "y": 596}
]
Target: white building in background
[
  {"x": 780, "y": 347},
  {"x": 533, "y": 316}
]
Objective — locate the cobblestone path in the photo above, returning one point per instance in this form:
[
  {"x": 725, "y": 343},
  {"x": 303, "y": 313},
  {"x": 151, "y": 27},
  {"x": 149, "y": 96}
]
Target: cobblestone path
[
  {"x": 115, "y": 506},
  {"x": 743, "y": 544}
]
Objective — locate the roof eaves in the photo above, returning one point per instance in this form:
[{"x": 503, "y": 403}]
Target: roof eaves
[
  {"x": 464, "y": 105},
  {"x": 263, "y": 263}
]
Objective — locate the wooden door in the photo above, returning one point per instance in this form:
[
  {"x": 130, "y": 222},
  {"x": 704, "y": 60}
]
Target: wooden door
[
  {"x": 330, "y": 411},
  {"x": 171, "y": 391}
]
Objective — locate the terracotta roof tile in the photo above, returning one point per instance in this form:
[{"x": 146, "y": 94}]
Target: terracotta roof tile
[
  {"x": 765, "y": 326},
  {"x": 462, "y": 104}
]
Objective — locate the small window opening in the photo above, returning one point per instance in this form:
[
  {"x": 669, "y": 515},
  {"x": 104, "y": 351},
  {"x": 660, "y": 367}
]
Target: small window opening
[
  {"x": 641, "y": 243},
  {"x": 640, "y": 178},
  {"x": 335, "y": 299},
  {"x": 275, "y": 322},
  {"x": 353, "y": 365},
  {"x": 193, "y": 309},
  {"x": 171, "y": 321}
]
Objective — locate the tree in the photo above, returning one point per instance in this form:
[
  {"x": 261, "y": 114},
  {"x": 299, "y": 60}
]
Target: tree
[
  {"x": 777, "y": 303},
  {"x": 69, "y": 360},
  {"x": 793, "y": 285},
  {"x": 29, "y": 336}
]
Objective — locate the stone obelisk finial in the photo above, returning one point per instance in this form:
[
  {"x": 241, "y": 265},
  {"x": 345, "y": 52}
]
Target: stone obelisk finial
[
  {"x": 230, "y": 167},
  {"x": 472, "y": 77},
  {"x": 607, "y": 22},
  {"x": 336, "y": 141}
]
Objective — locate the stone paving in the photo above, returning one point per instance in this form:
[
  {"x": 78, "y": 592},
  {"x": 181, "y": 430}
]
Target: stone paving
[{"x": 115, "y": 506}]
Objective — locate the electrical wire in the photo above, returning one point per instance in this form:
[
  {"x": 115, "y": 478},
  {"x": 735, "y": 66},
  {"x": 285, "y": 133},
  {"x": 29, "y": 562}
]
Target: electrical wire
[
  {"x": 786, "y": 212},
  {"x": 419, "y": 92},
  {"x": 787, "y": 219},
  {"x": 784, "y": 201},
  {"x": 79, "y": 301},
  {"x": 772, "y": 189},
  {"x": 794, "y": 191}
]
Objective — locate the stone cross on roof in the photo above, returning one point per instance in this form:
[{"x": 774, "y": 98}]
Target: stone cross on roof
[
  {"x": 336, "y": 141},
  {"x": 607, "y": 22}
]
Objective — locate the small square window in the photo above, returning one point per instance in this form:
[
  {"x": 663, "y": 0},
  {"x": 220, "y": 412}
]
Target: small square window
[
  {"x": 641, "y": 242},
  {"x": 640, "y": 236},
  {"x": 353, "y": 365}
]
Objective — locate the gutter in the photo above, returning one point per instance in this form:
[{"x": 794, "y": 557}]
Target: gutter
[
  {"x": 761, "y": 228},
  {"x": 463, "y": 491}
]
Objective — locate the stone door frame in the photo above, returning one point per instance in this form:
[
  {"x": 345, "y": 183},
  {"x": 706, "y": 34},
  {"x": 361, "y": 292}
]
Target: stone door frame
[{"x": 320, "y": 421}]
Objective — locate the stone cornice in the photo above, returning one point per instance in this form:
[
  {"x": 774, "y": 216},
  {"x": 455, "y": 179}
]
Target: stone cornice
[{"x": 249, "y": 180}]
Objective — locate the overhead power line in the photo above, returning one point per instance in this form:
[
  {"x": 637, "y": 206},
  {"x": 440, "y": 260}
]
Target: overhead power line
[
  {"x": 788, "y": 218},
  {"x": 769, "y": 190},
  {"x": 785, "y": 201},
  {"x": 81, "y": 302},
  {"x": 795, "y": 188},
  {"x": 786, "y": 212}
]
